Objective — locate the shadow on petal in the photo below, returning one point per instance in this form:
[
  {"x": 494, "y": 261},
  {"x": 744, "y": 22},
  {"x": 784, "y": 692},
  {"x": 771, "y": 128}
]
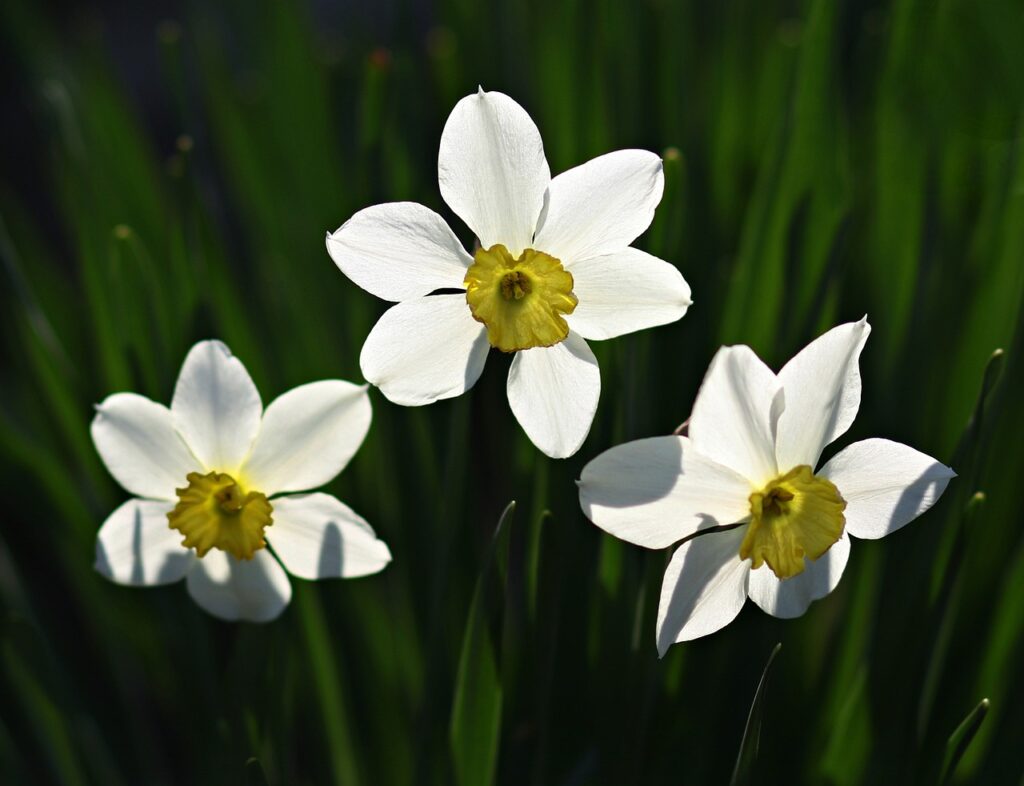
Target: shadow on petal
[
  {"x": 138, "y": 575},
  {"x": 639, "y": 473},
  {"x": 147, "y": 562},
  {"x": 481, "y": 346},
  {"x": 916, "y": 499},
  {"x": 102, "y": 563},
  {"x": 332, "y": 557},
  {"x": 709, "y": 587}
]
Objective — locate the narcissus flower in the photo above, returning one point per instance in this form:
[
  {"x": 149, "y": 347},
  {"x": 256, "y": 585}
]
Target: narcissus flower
[
  {"x": 742, "y": 493},
  {"x": 554, "y": 268},
  {"x": 207, "y": 474}
]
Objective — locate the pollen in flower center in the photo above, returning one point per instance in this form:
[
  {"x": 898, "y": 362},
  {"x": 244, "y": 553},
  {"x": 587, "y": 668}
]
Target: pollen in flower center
[
  {"x": 213, "y": 511},
  {"x": 796, "y": 515},
  {"x": 515, "y": 285},
  {"x": 521, "y": 301}
]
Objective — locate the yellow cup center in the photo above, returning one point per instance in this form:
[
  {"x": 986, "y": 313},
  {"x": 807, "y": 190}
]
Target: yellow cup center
[
  {"x": 214, "y": 511},
  {"x": 794, "y": 516},
  {"x": 521, "y": 301}
]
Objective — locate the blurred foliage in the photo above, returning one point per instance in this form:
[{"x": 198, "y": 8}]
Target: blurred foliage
[{"x": 168, "y": 180}]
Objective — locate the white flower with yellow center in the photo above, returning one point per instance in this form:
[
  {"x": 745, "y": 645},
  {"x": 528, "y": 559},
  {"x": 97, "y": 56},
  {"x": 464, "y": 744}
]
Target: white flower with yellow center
[
  {"x": 206, "y": 474},
  {"x": 748, "y": 464},
  {"x": 554, "y": 267}
]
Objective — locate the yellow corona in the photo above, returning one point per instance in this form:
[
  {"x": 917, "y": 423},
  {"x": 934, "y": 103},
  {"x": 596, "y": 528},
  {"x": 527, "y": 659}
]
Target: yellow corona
[
  {"x": 521, "y": 301},
  {"x": 214, "y": 511},
  {"x": 796, "y": 515}
]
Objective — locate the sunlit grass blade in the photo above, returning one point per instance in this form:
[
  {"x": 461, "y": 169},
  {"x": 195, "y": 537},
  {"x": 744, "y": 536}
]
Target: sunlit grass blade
[
  {"x": 743, "y": 771},
  {"x": 475, "y": 728},
  {"x": 947, "y": 611},
  {"x": 980, "y": 417},
  {"x": 1001, "y": 659},
  {"x": 254, "y": 774},
  {"x": 797, "y": 206},
  {"x": 45, "y": 719},
  {"x": 846, "y": 741},
  {"x": 967, "y": 461},
  {"x": 665, "y": 234},
  {"x": 546, "y": 604},
  {"x": 141, "y": 324},
  {"x": 327, "y": 679},
  {"x": 961, "y": 739}
]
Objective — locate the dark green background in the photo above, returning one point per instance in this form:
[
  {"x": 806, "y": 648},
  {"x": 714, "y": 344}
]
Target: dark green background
[{"x": 169, "y": 181}]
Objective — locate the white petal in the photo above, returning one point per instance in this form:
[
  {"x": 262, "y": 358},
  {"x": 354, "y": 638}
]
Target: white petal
[
  {"x": 704, "y": 588},
  {"x": 255, "y": 590},
  {"x": 602, "y": 206},
  {"x": 136, "y": 546},
  {"x": 399, "y": 251},
  {"x": 216, "y": 406},
  {"x": 624, "y": 292},
  {"x": 492, "y": 170},
  {"x": 885, "y": 485},
  {"x": 734, "y": 416},
  {"x": 318, "y": 537},
  {"x": 656, "y": 491},
  {"x": 424, "y": 350},
  {"x": 308, "y": 436},
  {"x": 553, "y": 392},
  {"x": 790, "y": 597},
  {"x": 137, "y": 441},
  {"x": 822, "y": 385}
]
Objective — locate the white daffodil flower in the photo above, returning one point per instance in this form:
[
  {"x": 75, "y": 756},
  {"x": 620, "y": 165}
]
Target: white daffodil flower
[
  {"x": 554, "y": 268},
  {"x": 206, "y": 473},
  {"x": 748, "y": 463}
]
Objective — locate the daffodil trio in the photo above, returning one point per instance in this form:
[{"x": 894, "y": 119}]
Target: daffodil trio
[{"x": 222, "y": 486}]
